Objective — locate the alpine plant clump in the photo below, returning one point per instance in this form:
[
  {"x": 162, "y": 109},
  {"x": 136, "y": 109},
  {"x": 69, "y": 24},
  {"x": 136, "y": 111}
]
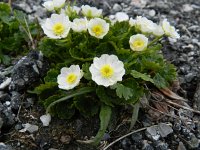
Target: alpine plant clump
[{"x": 98, "y": 62}]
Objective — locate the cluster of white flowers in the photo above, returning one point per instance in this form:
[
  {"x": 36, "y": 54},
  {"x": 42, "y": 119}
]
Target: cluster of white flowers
[
  {"x": 147, "y": 26},
  {"x": 54, "y": 4},
  {"x": 107, "y": 69},
  {"x": 58, "y": 25}
]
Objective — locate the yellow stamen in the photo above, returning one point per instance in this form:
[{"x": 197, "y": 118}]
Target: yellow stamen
[
  {"x": 71, "y": 78},
  {"x": 106, "y": 71},
  {"x": 138, "y": 43},
  {"x": 97, "y": 29},
  {"x": 58, "y": 28}
]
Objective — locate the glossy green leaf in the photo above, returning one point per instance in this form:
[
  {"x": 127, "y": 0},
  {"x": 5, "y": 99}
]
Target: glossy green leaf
[{"x": 144, "y": 77}]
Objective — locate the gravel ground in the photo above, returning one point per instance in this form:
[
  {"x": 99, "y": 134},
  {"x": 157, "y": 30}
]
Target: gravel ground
[{"x": 159, "y": 132}]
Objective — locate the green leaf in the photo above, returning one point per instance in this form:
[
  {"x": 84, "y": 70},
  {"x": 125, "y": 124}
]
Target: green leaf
[
  {"x": 20, "y": 16},
  {"x": 65, "y": 110},
  {"x": 71, "y": 94},
  {"x": 51, "y": 75},
  {"x": 4, "y": 7},
  {"x": 101, "y": 93},
  {"x": 159, "y": 81},
  {"x": 154, "y": 48},
  {"x": 105, "y": 115},
  {"x": 104, "y": 48},
  {"x": 5, "y": 59},
  {"x": 87, "y": 75},
  {"x": 76, "y": 54},
  {"x": 120, "y": 28},
  {"x": 5, "y": 13},
  {"x": 144, "y": 77},
  {"x": 123, "y": 91},
  {"x": 45, "y": 90},
  {"x": 56, "y": 54},
  {"x": 87, "y": 105}
]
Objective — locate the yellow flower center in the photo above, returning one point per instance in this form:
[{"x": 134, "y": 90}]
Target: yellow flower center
[
  {"x": 58, "y": 28},
  {"x": 106, "y": 71},
  {"x": 138, "y": 43},
  {"x": 71, "y": 78},
  {"x": 97, "y": 29}
]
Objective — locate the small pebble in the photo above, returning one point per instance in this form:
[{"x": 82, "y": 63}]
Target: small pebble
[{"x": 65, "y": 139}]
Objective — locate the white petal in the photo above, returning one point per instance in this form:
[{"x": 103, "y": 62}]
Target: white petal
[
  {"x": 45, "y": 119},
  {"x": 121, "y": 16}
]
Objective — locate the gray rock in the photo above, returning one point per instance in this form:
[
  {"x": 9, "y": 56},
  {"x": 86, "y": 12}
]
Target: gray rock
[
  {"x": 152, "y": 13},
  {"x": 18, "y": 126},
  {"x": 164, "y": 129},
  {"x": 4, "y": 97},
  {"x": 197, "y": 97},
  {"x": 28, "y": 70},
  {"x": 181, "y": 146},
  {"x": 194, "y": 142},
  {"x": 1, "y": 122},
  {"x": 106, "y": 137},
  {"x": 5, "y": 147},
  {"x": 29, "y": 102},
  {"x": 162, "y": 146},
  {"x": 146, "y": 146},
  {"x": 187, "y": 8},
  {"x": 31, "y": 128},
  {"x": 15, "y": 100},
  {"x": 5, "y": 83},
  {"x": 117, "y": 7},
  {"x": 7, "y": 115},
  {"x": 153, "y": 133},
  {"x": 126, "y": 142},
  {"x": 189, "y": 77},
  {"x": 1, "y": 78},
  {"x": 136, "y": 137},
  {"x": 65, "y": 139}
]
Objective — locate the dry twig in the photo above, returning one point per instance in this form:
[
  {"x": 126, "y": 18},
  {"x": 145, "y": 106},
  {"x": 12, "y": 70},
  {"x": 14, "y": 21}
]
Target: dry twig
[{"x": 128, "y": 135}]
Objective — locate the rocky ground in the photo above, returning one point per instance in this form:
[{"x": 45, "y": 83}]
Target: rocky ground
[{"x": 177, "y": 129}]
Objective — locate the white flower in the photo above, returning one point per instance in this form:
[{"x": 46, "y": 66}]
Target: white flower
[
  {"x": 132, "y": 22},
  {"x": 91, "y": 11},
  {"x": 58, "y": 3},
  {"x": 56, "y": 27},
  {"x": 69, "y": 77},
  {"x": 69, "y": 10},
  {"x": 138, "y": 42},
  {"x": 144, "y": 24},
  {"x": 79, "y": 25},
  {"x": 98, "y": 28},
  {"x": 169, "y": 30},
  {"x": 121, "y": 16},
  {"x": 107, "y": 70},
  {"x": 48, "y": 5},
  {"x": 46, "y": 119},
  {"x": 158, "y": 31},
  {"x": 112, "y": 19},
  {"x": 53, "y": 4}
]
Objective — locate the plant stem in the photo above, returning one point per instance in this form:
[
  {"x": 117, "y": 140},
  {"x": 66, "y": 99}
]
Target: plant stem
[
  {"x": 155, "y": 40},
  {"x": 29, "y": 34}
]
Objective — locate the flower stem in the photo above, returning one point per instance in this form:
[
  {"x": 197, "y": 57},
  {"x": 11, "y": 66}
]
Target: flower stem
[{"x": 155, "y": 40}]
